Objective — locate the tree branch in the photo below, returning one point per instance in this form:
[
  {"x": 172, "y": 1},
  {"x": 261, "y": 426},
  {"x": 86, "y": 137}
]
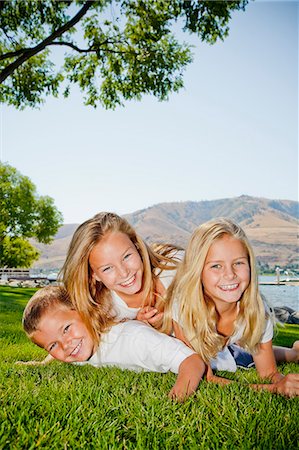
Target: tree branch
[
  {"x": 86, "y": 50},
  {"x": 28, "y": 53},
  {"x": 74, "y": 47},
  {"x": 15, "y": 53}
]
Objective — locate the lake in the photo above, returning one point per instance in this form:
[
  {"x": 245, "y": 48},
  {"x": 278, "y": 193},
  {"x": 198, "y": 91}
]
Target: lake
[
  {"x": 280, "y": 295},
  {"x": 277, "y": 295}
]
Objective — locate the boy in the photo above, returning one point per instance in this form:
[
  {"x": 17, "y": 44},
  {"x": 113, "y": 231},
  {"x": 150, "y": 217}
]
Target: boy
[{"x": 51, "y": 322}]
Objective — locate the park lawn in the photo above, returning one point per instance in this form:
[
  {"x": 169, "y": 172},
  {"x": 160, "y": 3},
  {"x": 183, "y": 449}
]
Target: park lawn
[{"x": 61, "y": 406}]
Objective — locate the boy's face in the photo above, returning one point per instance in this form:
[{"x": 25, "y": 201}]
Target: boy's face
[{"x": 63, "y": 334}]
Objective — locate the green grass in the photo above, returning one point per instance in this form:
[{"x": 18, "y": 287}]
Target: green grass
[{"x": 62, "y": 406}]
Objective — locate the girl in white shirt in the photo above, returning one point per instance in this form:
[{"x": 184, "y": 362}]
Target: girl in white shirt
[
  {"x": 214, "y": 301},
  {"x": 110, "y": 271}
]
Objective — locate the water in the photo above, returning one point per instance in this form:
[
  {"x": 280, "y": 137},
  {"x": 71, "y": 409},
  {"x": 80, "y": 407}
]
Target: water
[
  {"x": 277, "y": 295},
  {"x": 280, "y": 295}
]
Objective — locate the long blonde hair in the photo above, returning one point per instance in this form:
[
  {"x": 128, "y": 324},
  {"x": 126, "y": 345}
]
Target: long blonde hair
[
  {"x": 197, "y": 313},
  {"x": 90, "y": 297}
]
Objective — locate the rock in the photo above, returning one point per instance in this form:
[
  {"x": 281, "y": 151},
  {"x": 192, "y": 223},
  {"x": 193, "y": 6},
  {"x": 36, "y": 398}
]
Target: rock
[
  {"x": 26, "y": 283},
  {"x": 295, "y": 317},
  {"x": 286, "y": 314},
  {"x": 14, "y": 283}
]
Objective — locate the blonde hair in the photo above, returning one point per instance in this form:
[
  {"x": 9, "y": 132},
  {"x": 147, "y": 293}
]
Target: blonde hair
[
  {"x": 40, "y": 304},
  {"x": 197, "y": 313},
  {"x": 91, "y": 297}
]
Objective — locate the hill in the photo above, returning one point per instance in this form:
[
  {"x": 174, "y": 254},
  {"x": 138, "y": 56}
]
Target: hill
[{"x": 271, "y": 225}]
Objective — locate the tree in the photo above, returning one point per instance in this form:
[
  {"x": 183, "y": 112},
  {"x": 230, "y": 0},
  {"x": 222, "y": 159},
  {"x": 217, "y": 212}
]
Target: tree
[
  {"x": 117, "y": 49},
  {"x": 24, "y": 215}
]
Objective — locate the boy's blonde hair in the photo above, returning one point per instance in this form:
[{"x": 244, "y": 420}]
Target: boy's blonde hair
[
  {"x": 90, "y": 297},
  {"x": 197, "y": 313},
  {"x": 40, "y": 303}
]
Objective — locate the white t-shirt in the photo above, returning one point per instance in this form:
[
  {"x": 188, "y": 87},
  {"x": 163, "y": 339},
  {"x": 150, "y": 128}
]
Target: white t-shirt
[
  {"x": 123, "y": 311},
  {"x": 136, "y": 346},
  {"x": 224, "y": 359}
]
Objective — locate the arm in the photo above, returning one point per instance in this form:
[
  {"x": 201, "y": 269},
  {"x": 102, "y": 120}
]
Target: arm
[
  {"x": 190, "y": 373},
  {"x": 153, "y": 314},
  {"x": 45, "y": 361},
  {"x": 210, "y": 377},
  {"x": 266, "y": 367},
  {"x": 285, "y": 354}
]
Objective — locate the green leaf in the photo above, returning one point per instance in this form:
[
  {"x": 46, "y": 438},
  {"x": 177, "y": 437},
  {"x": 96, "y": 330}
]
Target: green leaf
[{"x": 114, "y": 51}]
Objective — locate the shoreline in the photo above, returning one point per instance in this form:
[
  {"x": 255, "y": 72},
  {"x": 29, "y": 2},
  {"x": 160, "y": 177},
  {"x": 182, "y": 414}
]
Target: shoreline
[{"x": 280, "y": 283}]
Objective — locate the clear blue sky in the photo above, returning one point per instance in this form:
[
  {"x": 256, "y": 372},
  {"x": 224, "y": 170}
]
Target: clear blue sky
[{"x": 232, "y": 130}]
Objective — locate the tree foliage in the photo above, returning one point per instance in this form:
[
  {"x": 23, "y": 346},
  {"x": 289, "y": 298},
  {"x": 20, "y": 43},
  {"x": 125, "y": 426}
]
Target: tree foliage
[
  {"x": 24, "y": 215},
  {"x": 115, "y": 50}
]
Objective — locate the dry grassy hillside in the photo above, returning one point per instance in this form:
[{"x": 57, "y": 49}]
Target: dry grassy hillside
[{"x": 271, "y": 225}]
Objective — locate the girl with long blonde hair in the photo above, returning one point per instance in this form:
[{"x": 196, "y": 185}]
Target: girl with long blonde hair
[
  {"x": 214, "y": 301},
  {"x": 110, "y": 271}
]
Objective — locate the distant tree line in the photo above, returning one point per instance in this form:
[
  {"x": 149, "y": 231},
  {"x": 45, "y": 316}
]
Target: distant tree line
[{"x": 264, "y": 267}]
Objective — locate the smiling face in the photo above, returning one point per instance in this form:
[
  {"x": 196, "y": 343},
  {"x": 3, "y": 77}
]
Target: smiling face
[
  {"x": 116, "y": 262},
  {"x": 62, "y": 333},
  {"x": 226, "y": 272}
]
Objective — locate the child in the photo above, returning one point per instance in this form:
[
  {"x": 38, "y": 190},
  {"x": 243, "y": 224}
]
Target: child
[
  {"x": 51, "y": 322},
  {"x": 215, "y": 302},
  {"x": 110, "y": 270}
]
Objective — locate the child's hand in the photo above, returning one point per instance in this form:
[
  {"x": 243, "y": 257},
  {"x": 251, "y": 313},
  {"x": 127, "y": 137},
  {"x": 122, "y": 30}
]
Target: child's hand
[
  {"x": 190, "y": 373},
  {"x": 285, "y": 385},
  {"x": 211, "y": 378},
  {"x": 149, "y": 315},
  {"x": 180, "y": 392},
  {"x": 288, "y": 385}
]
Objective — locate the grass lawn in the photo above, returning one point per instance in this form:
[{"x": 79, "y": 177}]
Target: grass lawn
[{"x": 61, "y": 406}]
